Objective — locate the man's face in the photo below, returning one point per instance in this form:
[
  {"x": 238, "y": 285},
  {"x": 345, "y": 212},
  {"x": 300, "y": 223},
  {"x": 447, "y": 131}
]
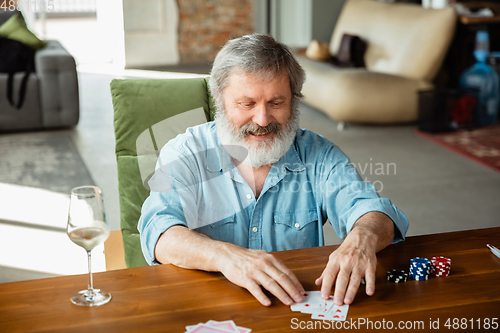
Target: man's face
[
  {"x": 257, "y": 114},
  {"x": 258, "y": 103}
]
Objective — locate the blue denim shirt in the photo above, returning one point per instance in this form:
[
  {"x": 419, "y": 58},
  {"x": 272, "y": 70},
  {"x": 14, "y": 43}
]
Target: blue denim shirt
[{"x": 197, "y": 185}]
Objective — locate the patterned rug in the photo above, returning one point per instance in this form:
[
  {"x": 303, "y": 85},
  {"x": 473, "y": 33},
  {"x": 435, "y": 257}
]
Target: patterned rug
[
  {"x": 481, "y": 145},
  {"x": 42, "y": 160}
]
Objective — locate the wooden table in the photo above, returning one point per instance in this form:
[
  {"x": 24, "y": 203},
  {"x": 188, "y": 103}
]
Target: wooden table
[{"x": 166, "y": 298}]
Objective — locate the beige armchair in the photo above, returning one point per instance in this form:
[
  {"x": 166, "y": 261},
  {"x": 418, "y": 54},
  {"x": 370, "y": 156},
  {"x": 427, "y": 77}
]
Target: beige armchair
[{"x": 406, "y": 45}]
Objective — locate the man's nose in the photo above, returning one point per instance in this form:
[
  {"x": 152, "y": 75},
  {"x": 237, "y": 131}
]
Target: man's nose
[{"x": 262, "y": 116}]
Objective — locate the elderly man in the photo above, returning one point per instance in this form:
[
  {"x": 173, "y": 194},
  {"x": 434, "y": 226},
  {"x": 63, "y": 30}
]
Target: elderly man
[{"x": 226, "y": 193}]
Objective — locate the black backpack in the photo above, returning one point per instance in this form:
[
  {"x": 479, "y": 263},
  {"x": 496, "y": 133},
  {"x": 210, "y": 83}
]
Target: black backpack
[{"x": 16, "y": 57}]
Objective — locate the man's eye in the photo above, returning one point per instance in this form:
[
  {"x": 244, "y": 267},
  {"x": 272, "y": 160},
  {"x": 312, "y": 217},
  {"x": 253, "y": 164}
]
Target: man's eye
[
  {"x": 276, "y": 103},
  {"x": 247, "y": 105}
]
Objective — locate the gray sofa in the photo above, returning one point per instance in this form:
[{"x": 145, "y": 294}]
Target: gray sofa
[{"x": 52, "y": 91}]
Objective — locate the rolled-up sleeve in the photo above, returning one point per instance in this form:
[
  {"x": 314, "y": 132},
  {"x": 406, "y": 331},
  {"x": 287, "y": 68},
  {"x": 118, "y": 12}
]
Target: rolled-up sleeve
[
  {"x": 172, "y": 200},
  {"x": 347, "y": 197}
]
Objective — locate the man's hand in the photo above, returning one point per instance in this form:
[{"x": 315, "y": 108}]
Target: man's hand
[
  {"x": 252, "y": 269},
  {"x": 246, "y": 268},
  {"x": 346, "y": 266},
  {"x": 355, "y": 258}
]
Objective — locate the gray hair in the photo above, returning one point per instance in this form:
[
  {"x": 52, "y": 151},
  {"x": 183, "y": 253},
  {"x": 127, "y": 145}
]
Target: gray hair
[{"x": 255, "y": 54}]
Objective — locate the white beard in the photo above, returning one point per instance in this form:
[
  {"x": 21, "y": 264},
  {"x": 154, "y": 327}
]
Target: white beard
[{"x": 260, "y": 153}]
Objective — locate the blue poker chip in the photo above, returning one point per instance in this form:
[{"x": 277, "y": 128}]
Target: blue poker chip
[
  {"x": 420, "y": 268},
  {"x": 421, "y": 261}
]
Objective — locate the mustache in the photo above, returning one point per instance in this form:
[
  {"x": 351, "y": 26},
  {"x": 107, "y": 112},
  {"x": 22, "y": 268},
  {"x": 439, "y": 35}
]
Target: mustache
[{"x": 256, "y": 129}]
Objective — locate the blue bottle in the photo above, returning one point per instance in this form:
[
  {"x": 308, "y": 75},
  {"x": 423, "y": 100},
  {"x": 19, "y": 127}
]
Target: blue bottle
[{"x": 483, "y": 77}]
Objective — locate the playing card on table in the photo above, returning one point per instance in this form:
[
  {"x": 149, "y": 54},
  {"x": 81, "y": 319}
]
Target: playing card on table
[
  {"x": 205, "y": 328},
  {"x": 214, "y": 326},
  {"x": 228, "y": 325},
  {"x": 312, "y": 302},
  {"x": 336, "y": 312}
]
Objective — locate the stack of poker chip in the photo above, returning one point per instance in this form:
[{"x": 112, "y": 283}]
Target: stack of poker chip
[
  {"x": 440, "y": 266},
  {"x": 397, "y": 276},
  {"x": 420, "y": 268}
]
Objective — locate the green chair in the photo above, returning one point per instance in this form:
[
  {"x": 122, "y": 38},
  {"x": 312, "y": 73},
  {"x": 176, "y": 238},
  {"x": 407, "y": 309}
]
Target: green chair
[{"x": 148, "y": 113}]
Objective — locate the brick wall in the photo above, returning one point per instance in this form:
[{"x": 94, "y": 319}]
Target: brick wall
[{"x": 206, "y": 25}]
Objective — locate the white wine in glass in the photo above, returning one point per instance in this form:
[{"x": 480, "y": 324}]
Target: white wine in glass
[{"x": 88, "y": 227}]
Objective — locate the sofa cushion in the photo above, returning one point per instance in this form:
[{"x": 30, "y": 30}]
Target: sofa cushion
[
  {"x": 15, "y": 28},
  {"x": 29, "y": 117},
  {"x": 358, "y": 95},
  {"x": 351, "y": 51},
  {"x": 403, "y": 39}
]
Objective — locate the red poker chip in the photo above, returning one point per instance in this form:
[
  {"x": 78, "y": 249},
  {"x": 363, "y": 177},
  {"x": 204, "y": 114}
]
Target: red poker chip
[
  {"x": 441, "y": 259},
  {"x": 440, "y": 266},
  {"x": 441, "y": 262}
]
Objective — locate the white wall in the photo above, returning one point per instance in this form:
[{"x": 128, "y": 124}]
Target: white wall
[
  {"x": 297, "y": 22},
  {"x": 291, "y": 21},
  {"x": 110, "y": 25},
  {"x": 151, "y": 28}
]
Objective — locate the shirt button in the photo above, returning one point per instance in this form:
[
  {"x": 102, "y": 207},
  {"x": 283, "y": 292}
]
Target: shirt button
[
  {"x": 249, "y": 196},
  {"x": 255, "y": 229},
  {"x": 297, "y": 225}
]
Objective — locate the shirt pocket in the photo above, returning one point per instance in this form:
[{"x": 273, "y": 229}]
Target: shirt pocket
[
  {"x": 218, "y": 225},
  {"x": 296, "y": 229}
]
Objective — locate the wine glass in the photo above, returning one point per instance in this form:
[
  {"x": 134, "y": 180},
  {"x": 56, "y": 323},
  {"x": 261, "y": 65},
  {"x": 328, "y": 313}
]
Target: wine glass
[{"x": 87, "y": 227}]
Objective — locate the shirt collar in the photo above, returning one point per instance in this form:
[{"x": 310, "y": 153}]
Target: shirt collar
[
  {"x": 291, "y": 161},
  {"x": 217, "y": 157}
]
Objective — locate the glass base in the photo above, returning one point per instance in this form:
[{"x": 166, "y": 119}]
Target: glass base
[{"x": 88, "y": 298}]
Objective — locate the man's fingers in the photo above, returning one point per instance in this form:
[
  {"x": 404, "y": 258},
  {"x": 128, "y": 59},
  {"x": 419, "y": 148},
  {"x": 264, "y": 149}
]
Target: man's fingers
[
  {"x": 284, "y": 285},
  {"x": 319, "y": 280},
  {"x": 255, "y": 270},
  {"x": 294, "y": 289},
  {"x": 370, "y": 281},
  {"x": 341, "y": 287},
  {"x": 352, "y": 289},
  {"x": 274, "y": 287},
  {"x": 255, "y": 290},
  {"x": 327, "y": 280}
]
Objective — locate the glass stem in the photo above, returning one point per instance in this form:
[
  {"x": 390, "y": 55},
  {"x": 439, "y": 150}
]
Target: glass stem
[{"x": 91, "y": 282}]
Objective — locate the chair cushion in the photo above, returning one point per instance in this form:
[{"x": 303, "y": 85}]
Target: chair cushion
[
  {"x": 15, "y": 28},
  {"x": 139, "y": 107}
]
